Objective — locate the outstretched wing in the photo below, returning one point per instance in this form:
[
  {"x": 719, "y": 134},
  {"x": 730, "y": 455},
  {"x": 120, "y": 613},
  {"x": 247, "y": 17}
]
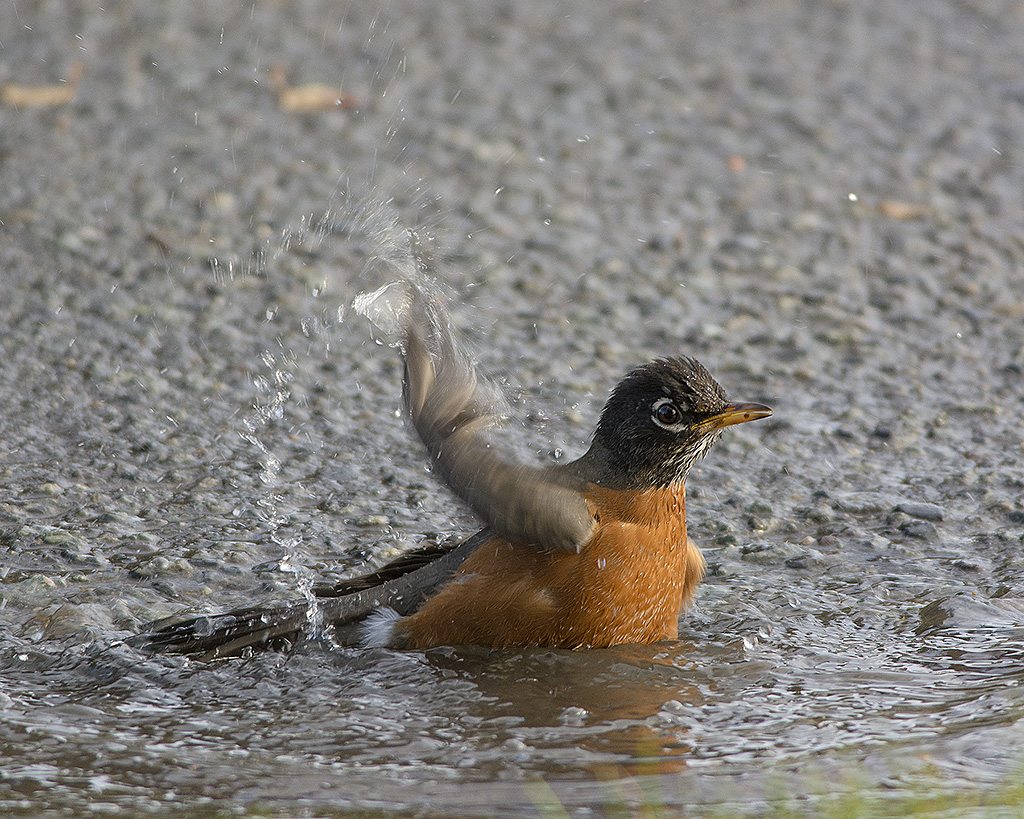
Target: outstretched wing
[{"x": 451, "y": 414}]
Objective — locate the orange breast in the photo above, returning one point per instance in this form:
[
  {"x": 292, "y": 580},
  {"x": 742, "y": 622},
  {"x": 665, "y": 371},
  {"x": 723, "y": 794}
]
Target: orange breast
[{"x": 627, "y": 585}]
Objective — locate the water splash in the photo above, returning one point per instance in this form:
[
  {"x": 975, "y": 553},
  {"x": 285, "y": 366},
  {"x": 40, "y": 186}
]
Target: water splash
[
  {"x": 270, "y": 408},
  {"x": 356, "y": 255},
  {"x": 413, "y": 296},
  {"x": 387, "y": 308}
]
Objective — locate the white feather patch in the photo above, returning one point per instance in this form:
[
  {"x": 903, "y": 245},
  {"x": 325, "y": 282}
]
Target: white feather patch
[{"x": 378, "y": 630}]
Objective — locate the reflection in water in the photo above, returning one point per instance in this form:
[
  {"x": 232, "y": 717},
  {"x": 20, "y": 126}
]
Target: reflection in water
[{"x": 608, "y": 699}]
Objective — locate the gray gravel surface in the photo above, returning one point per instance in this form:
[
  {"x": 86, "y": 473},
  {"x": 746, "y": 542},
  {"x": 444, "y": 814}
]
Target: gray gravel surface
[{"x": 820, "y": 201}]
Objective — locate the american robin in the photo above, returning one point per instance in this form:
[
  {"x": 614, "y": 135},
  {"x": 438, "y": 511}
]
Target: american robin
[{"x": 585, "y": 554}]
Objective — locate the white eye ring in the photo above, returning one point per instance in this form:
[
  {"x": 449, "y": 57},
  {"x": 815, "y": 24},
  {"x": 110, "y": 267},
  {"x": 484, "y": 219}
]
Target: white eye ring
[{"x": 662, "y": 418}]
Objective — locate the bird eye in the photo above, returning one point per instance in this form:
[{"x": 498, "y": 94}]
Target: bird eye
[{"x": 665, "y": 413}]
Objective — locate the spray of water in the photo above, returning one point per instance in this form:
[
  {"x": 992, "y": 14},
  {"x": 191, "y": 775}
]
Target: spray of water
[{"x": 389, "y": 279}]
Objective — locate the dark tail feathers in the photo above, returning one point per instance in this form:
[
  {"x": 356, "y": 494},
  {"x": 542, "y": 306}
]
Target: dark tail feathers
[{"x": 336, "y": 610}]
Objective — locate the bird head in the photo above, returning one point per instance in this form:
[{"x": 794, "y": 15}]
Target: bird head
[{"x": 661, "y": 419}]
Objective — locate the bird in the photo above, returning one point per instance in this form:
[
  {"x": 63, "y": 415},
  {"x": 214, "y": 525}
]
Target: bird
[{"x": 586, "y": 554}]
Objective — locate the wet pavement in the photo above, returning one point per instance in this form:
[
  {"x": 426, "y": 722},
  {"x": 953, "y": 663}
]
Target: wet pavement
[{"x": 821, "y": 202}]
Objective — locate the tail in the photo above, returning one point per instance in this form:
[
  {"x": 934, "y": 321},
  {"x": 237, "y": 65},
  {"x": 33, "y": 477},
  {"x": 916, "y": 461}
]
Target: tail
[
  {"x": 337, "y": 611},
  {"x": 224, "y": 635}
]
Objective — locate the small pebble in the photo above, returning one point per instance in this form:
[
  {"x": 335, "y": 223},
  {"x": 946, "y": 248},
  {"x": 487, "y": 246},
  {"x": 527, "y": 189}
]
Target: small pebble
[
  {"x": 921, "y": 511},
  {"x": 804, "y": 560},
  {"x": 157, "y": 566},
  {"x": 863, "y": 503},
  {"x": 761, "y": 508},
  {"x": 921, "y": 529},
  {"x": 73, "y": 543},
  {"x": 372, "y": 520}
]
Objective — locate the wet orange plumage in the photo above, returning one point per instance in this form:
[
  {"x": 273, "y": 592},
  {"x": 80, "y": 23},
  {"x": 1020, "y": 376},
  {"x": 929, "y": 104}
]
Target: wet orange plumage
[{"x": 627, "y": 584}]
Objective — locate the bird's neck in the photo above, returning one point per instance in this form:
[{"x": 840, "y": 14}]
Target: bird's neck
[
  {"x": 597, "y": 467},
  {"x": 650, "y": 508}
]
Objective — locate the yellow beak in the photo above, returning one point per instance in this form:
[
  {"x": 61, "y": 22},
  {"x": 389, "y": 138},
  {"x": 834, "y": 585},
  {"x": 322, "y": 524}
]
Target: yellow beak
[{"x": 735, "y": 414}]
